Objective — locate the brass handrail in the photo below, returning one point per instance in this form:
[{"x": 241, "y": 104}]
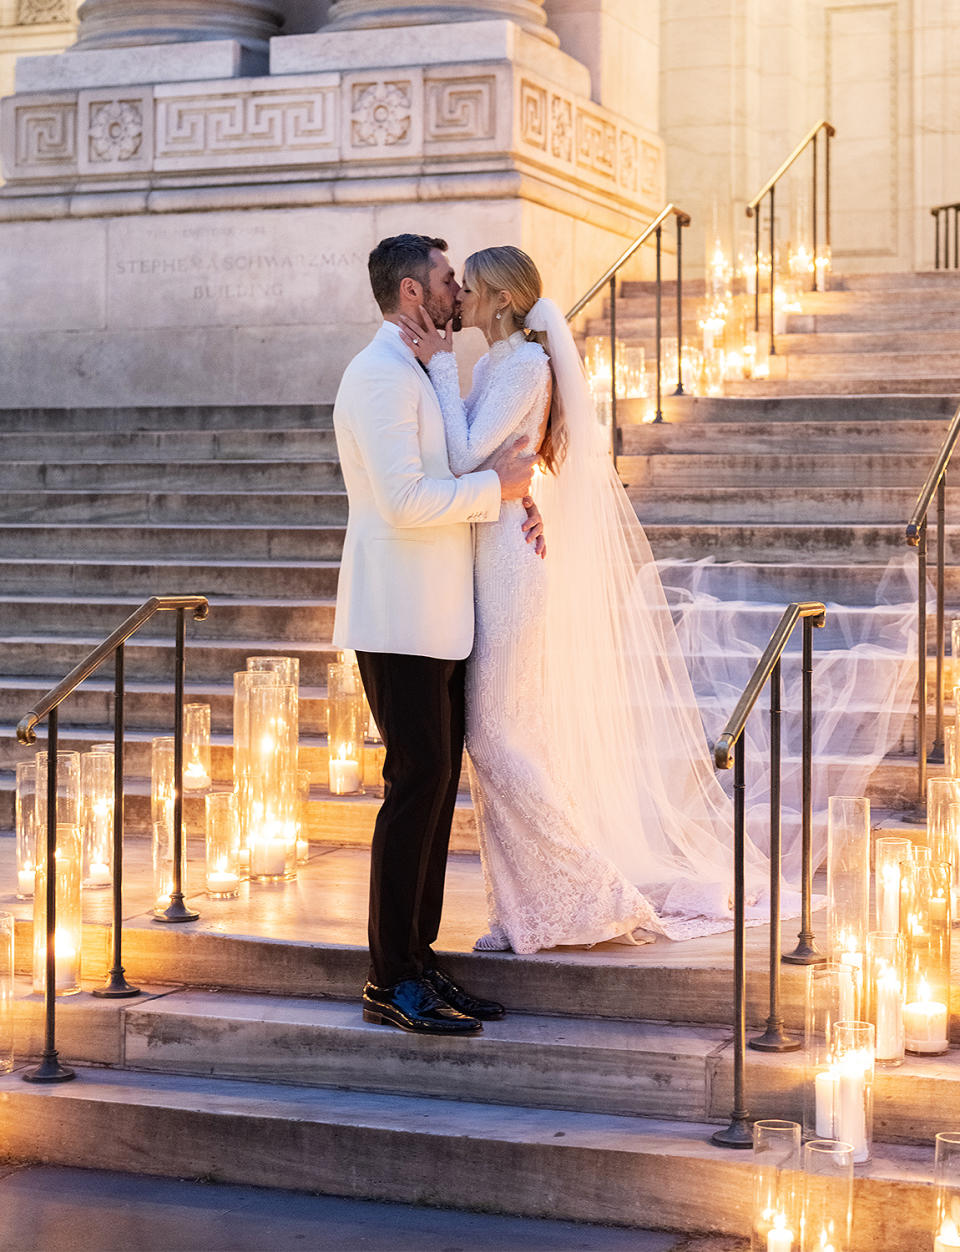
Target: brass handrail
[
  {"x": 808, "y": 138},
  {"x": 769, "y": 188},
  {"x": 156, "y": 604},
  {"x": 610, "y": 278},
  {"x": 916, "y": 535},
  {"x": 50, "y": 1068},
  {"x": 768, "y": 669}
]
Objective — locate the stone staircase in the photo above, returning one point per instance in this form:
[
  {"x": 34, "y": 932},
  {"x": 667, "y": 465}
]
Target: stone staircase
[{"x": 595, "y": 1098}]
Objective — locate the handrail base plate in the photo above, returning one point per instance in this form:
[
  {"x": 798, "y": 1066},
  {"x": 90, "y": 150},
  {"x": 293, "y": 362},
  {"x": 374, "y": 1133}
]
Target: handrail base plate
[
  {"x": 49, "y": 1070},
  {"x": 737, "y": 1135}
]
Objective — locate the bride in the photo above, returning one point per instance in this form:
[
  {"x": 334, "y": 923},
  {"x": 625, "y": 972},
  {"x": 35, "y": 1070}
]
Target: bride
[{"x": 599, "y": 813}]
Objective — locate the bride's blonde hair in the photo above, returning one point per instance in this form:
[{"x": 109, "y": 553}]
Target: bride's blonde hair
[{"x": 509, "y": 269}]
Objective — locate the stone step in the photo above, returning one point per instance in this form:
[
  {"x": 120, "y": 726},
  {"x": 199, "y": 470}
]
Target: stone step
[
  {"x": 275, "y": 444},
  {"x": 903, "y": 281},
  {"x": 231, "y": 577},
  {"x": 930, "y": 316},
  {"x": 842, "y": 384},
  {"x": 922, "y": 344},
  {"x": 727, "y": 541},
  {"x": 839, "y": 469},
  {"x": 780, "y": 582},
  {"x": 893, "y": 365},
  {"x": 750, "y": 406},
  {"x": 745, "y": 437},
  {"x": 217, "y": 543},
  {"x": 154, "y": 476},
  {"x": 22, "y": 616},
  {"x": 173, "y": 417},
  {"x": 524, "y": 1161},
  {"x": 193, "y": 508},
  {"x": 786, "y": 504}
]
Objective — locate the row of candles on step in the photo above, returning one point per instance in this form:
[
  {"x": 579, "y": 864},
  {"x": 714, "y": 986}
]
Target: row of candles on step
[
  {"x": 803, "y": 1197},
  {"x": 258, "y": 831}
]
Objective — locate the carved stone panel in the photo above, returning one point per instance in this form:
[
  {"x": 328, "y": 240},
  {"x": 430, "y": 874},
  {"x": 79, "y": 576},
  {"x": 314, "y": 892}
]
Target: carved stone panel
[
  {"x": 40, "y": 12},
  {"x": 383, "y": 114},
  {"x": 596, "y": 143},
  {"x": 461, "y": 109},
  {"x": 561, "y": 128},
  {"x": 533, "y": 114},
  {"x": 40, "y": 136},
  {"x": 116, "y": 131},
  {"x": 207, "y": 128}
]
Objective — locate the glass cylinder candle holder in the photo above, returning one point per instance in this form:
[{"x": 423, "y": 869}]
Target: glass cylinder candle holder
[
  {"x": 26, "y": 822},
  {"x": 96, "y": 785},
  {"x": 848, "y": 881},
  {"x": 832, "y": 997},
  {"x": 925, "y": 907},
  {"x": 850, "y": 1087},
  {"x": 886, "y": 985},
  {"x": 68, "y": 935},
  {"x": 244, "y": 683},
  {"x": 891, "y": 852},
  {"x": 6, "y": 992},
  {"x": 68, "y": 791},
  {"x": 222, "y": 846},
  {"x": 163, "y": 863},
  {"x": 287, "y": 670},
  {"x": 196, "y": 747},
  {"x": 271, "y": 784},
  {"x": 827, "y": 1196},
  {"x": 162, "y": 784},
  {"x": 375, "y": 753},
  {"x": 950, "y": 747},
  {"x": 943, "y": 794},
  {"x": 946, "y": 1230},
  {"x": 776, "y": 1173},
  {"x": 345, "y": 729},
  {"x": 303, "y": 816}
]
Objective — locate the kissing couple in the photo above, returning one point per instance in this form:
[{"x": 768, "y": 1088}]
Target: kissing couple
[{"x": 599, "y": 815}]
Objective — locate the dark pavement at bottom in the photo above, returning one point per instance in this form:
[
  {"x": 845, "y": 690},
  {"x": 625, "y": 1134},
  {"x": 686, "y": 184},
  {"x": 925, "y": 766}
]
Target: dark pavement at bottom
[{"x": 46, "y": 1208}]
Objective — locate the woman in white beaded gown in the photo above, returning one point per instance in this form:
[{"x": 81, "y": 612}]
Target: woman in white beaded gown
[{"x": 599, "y": 813}]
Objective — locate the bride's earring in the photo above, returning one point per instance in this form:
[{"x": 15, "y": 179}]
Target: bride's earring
[{"x": 498, "y": 317}]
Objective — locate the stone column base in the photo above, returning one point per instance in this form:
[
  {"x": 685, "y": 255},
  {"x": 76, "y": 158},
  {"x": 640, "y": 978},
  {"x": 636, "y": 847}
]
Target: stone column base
[{"x": 122, "y": 23}]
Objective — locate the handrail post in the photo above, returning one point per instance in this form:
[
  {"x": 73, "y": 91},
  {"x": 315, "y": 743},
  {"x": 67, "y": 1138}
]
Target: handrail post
[
  {"x": 773, "y": 272},
  {"x": 773, "y": 1038},
  {"x": 177, "y": 910},
  {"x": 826, "y": 186},
  {"x": 658, "y": 416},
  {"x": 922, "y": 666},
  {"x": 50, "y": 1068},
  {"x": 116, "y": 986},
  {"x": 756, "y": 271},
  {"x": 936, "y": 756},
  {"x": 679, "y": 390},
  {"x": 814, "y": 214},
  {"x": 613, "y": 368},
  {"x": 936, "y": 238},
  {"x": 738, "y": 1133},
  {"x": 806, "y": 952}
]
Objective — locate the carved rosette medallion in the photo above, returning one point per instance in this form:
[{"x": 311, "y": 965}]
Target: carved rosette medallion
[
  {"x": 116, "y": 131},
  {"x": 381, "y": 114},
  {"x": 40, "y": 12}
]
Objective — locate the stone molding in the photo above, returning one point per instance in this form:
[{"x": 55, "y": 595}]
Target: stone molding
[
  {"x": 473, "y": 113},
  {"x": 44, "y": 12},
  {"x": 125, "y": 23}
]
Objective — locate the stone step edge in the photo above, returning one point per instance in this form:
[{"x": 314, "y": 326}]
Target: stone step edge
[{"x": 534, "y": 1163}]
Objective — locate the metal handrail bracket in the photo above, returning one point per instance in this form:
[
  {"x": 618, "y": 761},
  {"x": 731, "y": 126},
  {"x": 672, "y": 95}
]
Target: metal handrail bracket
[
  {"x": 50, "y": 1068},
  {"x": 916, "y": 536},
  {"x": 609, "y": 279},
  {"x": 730, "y": 749}
]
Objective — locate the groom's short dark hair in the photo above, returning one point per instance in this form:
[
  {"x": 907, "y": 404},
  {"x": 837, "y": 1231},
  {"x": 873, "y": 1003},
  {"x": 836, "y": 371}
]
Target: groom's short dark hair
[{"x": 397, "y": 258}]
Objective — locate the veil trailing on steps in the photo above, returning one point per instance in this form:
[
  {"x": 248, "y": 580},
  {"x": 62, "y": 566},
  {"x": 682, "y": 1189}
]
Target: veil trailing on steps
[{"x": 624, "y": 722}]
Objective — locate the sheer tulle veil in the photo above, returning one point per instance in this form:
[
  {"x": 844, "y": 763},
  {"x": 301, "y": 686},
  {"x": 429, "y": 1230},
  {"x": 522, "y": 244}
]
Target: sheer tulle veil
[{"x": 622, "y": 716}]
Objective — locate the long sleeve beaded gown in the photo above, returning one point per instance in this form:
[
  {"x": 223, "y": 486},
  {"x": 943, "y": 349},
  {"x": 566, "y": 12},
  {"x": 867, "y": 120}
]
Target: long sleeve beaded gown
[{"x": 546, "y": 880}]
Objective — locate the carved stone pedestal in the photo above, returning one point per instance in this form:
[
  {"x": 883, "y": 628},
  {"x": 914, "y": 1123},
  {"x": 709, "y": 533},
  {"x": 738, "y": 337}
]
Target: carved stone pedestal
[
  {"x": 370, "y": 14},
  {"x": 124, "y": 23}
]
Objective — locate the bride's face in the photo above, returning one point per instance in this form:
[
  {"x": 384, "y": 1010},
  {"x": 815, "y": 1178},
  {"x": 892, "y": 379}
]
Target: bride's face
[{"x": 478, "y": 307}]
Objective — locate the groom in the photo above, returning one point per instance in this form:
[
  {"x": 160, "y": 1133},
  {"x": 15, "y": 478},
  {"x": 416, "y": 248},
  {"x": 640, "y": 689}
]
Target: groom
[{"x": 405, "y": 605}]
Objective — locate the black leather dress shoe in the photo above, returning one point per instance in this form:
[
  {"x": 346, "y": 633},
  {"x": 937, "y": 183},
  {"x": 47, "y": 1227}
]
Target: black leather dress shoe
[
  {"x": 413, "y": 1004},
  {"x": 463, "y": 1001}
]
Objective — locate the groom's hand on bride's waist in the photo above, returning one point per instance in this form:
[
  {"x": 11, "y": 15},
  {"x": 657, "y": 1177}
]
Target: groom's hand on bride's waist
[{"x": 514, "y": 468}]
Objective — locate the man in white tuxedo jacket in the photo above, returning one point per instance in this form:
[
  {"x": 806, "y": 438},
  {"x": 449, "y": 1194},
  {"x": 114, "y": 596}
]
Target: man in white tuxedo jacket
[{"x": 405, "y": 605}]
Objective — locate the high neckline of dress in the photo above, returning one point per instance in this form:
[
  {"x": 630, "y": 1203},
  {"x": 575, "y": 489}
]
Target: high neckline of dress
[{"x": 503, "y": 347}]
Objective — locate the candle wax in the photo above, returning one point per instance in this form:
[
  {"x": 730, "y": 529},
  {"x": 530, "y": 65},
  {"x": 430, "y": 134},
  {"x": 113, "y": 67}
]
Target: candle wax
[
  {"x": 344, "y": 776},
  {"x": 925, "y": 1026},
  {"x": 889, "y": 1019},
  {"x": 25, "y": 881},
  {"x": 98, "y": 874},
  {"x": 825, "y": 1086},
  {"x": 780, "y": 1239}
]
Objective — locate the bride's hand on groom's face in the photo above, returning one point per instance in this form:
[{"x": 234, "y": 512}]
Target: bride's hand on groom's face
[{"x": 422, "y": 337}]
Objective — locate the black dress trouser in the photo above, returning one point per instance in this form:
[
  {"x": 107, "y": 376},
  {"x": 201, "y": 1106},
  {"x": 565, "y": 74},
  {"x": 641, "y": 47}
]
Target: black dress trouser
[{"x": 418, "y": 705}]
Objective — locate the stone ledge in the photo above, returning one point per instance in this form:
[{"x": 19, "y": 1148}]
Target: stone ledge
[{"x": 158, "y": 63}]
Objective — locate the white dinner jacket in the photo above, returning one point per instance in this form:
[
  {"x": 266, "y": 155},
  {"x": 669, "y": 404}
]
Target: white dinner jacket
[{"x": 406, "y": 578}]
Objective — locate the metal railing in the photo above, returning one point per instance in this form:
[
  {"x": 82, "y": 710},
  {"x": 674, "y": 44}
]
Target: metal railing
[
  {"x": 946, "y": 230},
  {"x": 50, "y": 1068},
  {"x": 730, "y": 749},
  {"x": 609, "y": 280},
  {"x": 917, "y": 537},
  {"x": 769, "y": 189}
]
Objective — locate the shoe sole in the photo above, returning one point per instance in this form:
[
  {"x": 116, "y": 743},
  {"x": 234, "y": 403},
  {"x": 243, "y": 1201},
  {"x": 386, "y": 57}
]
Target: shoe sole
[{"x": 377, "y": 1018}]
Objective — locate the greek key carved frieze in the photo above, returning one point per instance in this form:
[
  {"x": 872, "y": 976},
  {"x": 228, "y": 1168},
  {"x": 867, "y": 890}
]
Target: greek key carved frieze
[
  {"x": 381, "y": 113},
  {"x": 461, "y": 109},
  {"x": 533, "y": 114},
  {"x": 629, "y": 172},
  {"x": 650, "y": 169},
  {"x": 44, "y": 137},
  {"x": 596, "y": 144},
  {"x": 231, "y": 125},
  {"x": 39, "y": 12}
]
